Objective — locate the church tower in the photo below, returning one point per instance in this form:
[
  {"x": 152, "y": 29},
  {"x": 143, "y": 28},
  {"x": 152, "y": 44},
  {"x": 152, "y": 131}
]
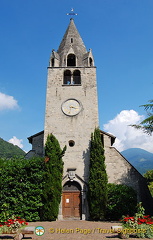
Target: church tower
[{"x": 72, "y": 115}]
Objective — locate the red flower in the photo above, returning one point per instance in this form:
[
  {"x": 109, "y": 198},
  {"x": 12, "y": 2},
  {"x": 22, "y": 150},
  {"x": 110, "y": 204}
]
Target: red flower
[
  {"x": 128, "y": 218},
  {"x": 142, "y": 220},
  {"x": 13, "y": 221}
]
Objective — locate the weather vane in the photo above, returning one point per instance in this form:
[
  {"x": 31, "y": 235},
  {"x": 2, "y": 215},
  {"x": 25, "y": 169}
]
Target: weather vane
[{"x": 72, "y": 13}]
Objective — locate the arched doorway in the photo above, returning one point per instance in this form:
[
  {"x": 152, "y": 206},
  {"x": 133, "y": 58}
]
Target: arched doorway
[{"x": 71, "y": 202}]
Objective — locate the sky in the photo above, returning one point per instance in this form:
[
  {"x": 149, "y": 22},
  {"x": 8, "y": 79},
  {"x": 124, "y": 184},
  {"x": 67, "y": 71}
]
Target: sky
[{"x": 120, "y": 34}]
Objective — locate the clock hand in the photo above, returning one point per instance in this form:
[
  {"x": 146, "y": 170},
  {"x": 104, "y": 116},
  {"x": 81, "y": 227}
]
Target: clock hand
[
  {"x": 69, "y": 110},
  {"x": 73, "y": 107}
]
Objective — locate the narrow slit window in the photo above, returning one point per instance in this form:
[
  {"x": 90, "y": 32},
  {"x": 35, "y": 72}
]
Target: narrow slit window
[
  {"x": 91, "y": 62},
  {"x": 53, "y": 62}
]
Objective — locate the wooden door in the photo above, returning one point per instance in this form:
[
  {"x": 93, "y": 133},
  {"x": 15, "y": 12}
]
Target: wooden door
[{"x": 71, "y": 204}]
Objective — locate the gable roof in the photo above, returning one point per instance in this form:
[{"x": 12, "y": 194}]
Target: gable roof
[
  {"x": 102, "y": 132},
  {"x": 35, "y": 135},
  {"x": 109, "y": 135}
]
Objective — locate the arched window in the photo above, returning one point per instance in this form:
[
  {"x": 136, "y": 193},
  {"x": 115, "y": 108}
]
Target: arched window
[
  {"x": 90, "y": 62},
  {"x": 67, "y": 77},
  {"x": 76, "y": 77},
  {"x": 71, "y": 60}
]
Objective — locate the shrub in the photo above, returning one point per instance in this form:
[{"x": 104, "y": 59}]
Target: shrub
[
  {"x": 31, "y": 188},
  {"x": 122, "y": 200},
  {"x": 149, "y": 177},
  {"x": 21, "y": 187}
]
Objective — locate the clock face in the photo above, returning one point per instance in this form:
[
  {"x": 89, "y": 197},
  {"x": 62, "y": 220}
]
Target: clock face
[{"x": 71, "y": 107}]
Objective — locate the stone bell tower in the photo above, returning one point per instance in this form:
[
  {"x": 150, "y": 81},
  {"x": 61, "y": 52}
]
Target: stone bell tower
[{"x": 72, "y": 115}]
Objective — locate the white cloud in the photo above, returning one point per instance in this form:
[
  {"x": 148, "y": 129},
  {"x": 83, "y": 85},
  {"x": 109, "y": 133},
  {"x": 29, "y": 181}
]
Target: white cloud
[
  {"x": 16, "y": 141},
  {"x": 7, "y": 102},
  {"x": 127, "y": 136}
]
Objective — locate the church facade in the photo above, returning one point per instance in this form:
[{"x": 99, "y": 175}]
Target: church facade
[{"x": 72, "y": 115}]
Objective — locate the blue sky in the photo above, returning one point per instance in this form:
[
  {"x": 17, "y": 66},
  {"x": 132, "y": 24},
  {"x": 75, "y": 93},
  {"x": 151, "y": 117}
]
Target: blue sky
[{"x": 120, "y": 34}]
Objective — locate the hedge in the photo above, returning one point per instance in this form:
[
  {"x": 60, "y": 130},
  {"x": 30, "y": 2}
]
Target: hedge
[{"x": 21, "y": 187}]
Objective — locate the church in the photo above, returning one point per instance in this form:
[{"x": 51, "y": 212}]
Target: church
[{"x": 71, "y": 116}]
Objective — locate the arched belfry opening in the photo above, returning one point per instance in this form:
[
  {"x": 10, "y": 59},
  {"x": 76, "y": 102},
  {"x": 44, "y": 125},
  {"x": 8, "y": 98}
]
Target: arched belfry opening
[
  {"x": 67, "y": 77},
  {"x": 71, "y": 201},
  {"x": 76, "y": 77},
  {"x": 72, "y": 78},
  {"x": 71, "y": 60}
]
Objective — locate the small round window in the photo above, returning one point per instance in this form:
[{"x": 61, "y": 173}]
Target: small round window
[{"x": 71, "y": 143}]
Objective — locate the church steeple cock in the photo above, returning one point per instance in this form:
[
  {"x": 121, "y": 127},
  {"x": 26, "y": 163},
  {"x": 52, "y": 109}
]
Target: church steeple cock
[
  {"x": 72, "y": 13},
  {"x": 72, "y": 51}
]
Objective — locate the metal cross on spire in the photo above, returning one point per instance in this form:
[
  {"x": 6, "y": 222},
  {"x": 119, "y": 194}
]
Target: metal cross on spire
[{"x": 72, "y": 13}]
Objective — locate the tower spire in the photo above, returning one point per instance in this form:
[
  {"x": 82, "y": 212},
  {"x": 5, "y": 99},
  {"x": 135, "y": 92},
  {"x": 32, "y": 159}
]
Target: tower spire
[{"x": 72, "y": 43}]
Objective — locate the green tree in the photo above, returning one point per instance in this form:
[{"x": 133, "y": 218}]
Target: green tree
[
  {"x": 53, "y": 179},
  {"x": 97, "y": 192},
  {"x": 147, "y": 124},
  {"x": 149, "y": 177}
]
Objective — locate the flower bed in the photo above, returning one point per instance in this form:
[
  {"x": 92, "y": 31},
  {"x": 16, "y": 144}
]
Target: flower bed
[
  {"x": 139, "y": 225},
  {"x": 142, "y": 220},
  {"x": 12, "y": 225}
]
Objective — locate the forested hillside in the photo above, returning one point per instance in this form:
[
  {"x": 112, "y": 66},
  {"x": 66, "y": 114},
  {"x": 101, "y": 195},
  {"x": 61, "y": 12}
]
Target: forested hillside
[
  {"x": 141, "y": 159},
  {"x": 8, "y": 150}
]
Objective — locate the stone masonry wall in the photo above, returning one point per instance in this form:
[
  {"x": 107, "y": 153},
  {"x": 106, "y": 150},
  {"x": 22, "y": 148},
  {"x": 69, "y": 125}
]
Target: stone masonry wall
[
  {"x": 77, "y": 128},
  {"x": 120, "y": 171},
  {"x": 37, "y": 144}
]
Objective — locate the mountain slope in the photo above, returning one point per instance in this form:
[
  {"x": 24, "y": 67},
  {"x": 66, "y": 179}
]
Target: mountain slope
[
  {"x": 8, "y": 150},
  {"x": 139, "y": 158}
]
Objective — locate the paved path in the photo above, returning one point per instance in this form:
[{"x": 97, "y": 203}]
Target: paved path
[{"x": 74, "y": 230}]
